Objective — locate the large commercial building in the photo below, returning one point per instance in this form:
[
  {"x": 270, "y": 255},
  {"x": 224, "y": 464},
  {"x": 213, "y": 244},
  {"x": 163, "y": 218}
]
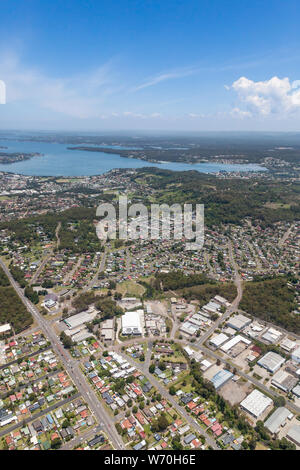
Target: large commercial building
[
  {"x": 271, "y": 361},
  {"x": 284, "y": 381},
  {"x": 221, "y": 378},
  {"x": 288, "y": 345},
  {"x": 189, "y": 328},
  {"x": 233, "y": 342},
  {"x": 256, "y": 403},
  {"x": 218, "y": 340},
  {"x": 296, "y": 391},
  {"x": 132, "y": 323},
  {"x": 294, "y": 434},
  {"x": 296, "y": 355},
  {"x": 238, "y": 322},
  {"x": 107, "y": 330},
  {"x": 80, "y": 318},
  {"x": 277, "y": 419},
  {"x": 271, "y": 336}
]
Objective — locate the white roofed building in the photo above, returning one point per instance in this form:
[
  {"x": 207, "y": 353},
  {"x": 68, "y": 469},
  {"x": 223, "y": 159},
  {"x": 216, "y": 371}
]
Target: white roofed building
[
  {"x": 132, "y": 324},
  {"x": 256, "y": 403}
]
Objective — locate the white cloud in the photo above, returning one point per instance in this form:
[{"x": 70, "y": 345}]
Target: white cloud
[
  {"x": 271, "y": 97},
  {"x": 80, "y": 96},
  {"x": 237, "y": 112},
  {"x": 163, "y": 77}
]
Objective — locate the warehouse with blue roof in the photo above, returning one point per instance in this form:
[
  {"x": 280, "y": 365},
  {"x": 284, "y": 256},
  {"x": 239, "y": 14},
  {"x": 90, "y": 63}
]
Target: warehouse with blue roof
[{"x": 221, "y": 378}]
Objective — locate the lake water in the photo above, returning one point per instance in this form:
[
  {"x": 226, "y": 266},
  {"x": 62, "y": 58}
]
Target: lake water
[{"x": 57, "y": 160}]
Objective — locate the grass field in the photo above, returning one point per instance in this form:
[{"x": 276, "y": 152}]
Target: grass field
[{"x": 130, "y": 289}]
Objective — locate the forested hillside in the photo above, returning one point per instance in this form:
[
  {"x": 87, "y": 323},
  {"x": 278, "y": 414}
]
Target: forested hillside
[
  {"x": 12, "y": 309},
  {"x": 271, "y": 300}
]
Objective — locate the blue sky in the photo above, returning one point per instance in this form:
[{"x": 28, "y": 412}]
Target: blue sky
[{"x": 168, "y": 65}]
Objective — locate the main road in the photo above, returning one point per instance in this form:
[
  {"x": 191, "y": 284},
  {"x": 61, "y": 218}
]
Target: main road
[
  {"x": 235, "y": 304},
  {"x": 71, "y": 367}
]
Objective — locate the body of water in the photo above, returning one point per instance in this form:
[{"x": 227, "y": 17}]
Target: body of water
[{"x": 57, "y": 160}]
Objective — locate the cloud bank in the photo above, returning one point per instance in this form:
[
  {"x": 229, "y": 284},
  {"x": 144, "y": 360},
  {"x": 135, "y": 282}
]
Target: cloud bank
[{"x": 277, "y": 96}]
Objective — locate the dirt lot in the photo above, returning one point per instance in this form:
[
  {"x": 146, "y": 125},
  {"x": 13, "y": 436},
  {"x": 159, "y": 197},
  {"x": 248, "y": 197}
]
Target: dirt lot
[
  {"x": 158, "y": 307},
  {"x": 235, "y": 392}
]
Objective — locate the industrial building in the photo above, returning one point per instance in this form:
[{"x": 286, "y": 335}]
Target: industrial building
[
  {"x": 238, "y": 322},
  {"x": 296, "y": 391},
  {"x": 296, "y": 355},
  {"x": 294, "y": 434},
  {"x": 218, "y": 340},
  {"x": 188, "y": 328},
  {"x": 284, "y": 381},
  {"x": 221, "y": 378},
  {"x": 233, "y": 342},
  {"x": 80, "y": 318},
  {"x": 107, "y": 330},
  {"x": 288, "y": 345},
  {"x": 256, "y": 403},
  {"x": 271, "y": 361},
  {"x": 271, "y": 336},
  {"x": 277, "y": 419},
  {"x": 132, "y": 323}
]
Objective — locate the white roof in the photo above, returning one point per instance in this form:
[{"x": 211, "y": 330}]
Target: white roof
[
  {"x": 220, "y": 299},
  {"x": 132, "y": 320},
  {"x": 256, "y": 403},
  {"x": 205, "y": 364},
  {"x": 287, "y": 344},
  {"x": 80, "y": 318},
  {"x": 296, "y": 353},
  {"x": 4, "y": 328},
  {"x": 188, "y": 350},
  {"x": 219, "y": 339},
  {"x": 235, "y": 340}
]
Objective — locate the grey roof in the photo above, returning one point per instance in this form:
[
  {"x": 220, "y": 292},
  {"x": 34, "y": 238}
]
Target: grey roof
[
  {"x": 296, "y": 390},
  {"x": 271, "y": 361},
  {"x": 189, "y": 438},
  {"x": 294, "y": 434},
  {"x": 277, "y": 418}
]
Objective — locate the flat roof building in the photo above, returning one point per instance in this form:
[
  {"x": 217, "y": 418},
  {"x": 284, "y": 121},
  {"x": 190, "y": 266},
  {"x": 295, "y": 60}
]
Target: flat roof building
[
  {"x": 271, "y": 361},
  {"x": 131, "y": 323},
  {"x": 277, "y": 419},
  {"x": 233, "y": 342},
  {"x": 296, "y": 355},
  {"x": 284, "y": 381},
  {"x": 294, "y": 434},
  {"x": 188, "y": 328},
  {"x": 80, "y": 318},
  {"x": 238, "y": 322},
  {"x": 218, "y": 340},
  {"x": 296, "y": 391},
  {"x": 221, "y": 378},
  {"x": 256, "y": 403},
  {"x": 271, "y": 336},
  {"x": 288, "y": 345}
]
